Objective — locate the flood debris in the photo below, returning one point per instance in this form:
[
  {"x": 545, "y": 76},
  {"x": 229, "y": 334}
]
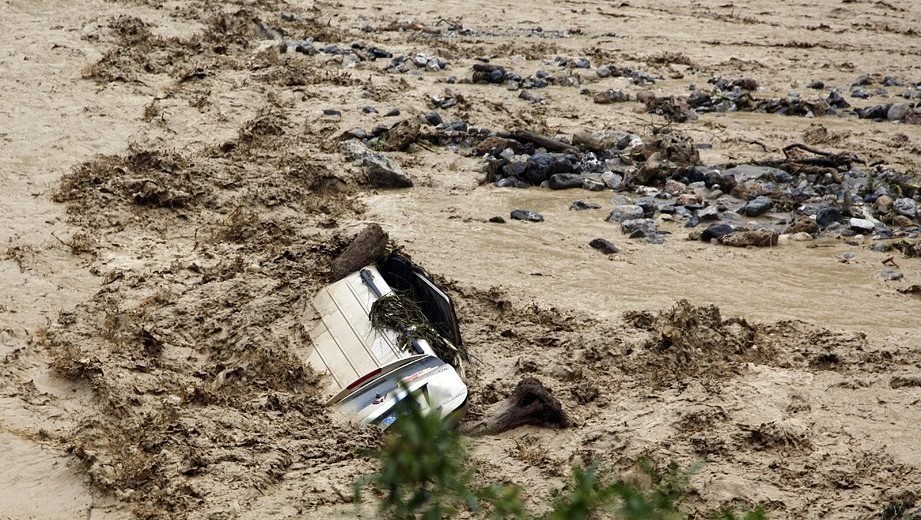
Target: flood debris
[
  {"x": 531, "y": 404},
  {"x": 368, "y": 246}
]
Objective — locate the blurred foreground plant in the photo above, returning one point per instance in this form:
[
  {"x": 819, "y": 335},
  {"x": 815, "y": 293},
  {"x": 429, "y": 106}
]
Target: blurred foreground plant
[{"x": 424, "y": 473}]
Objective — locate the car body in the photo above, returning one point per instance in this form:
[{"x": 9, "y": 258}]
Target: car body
[{"x": 365, "y": 371}]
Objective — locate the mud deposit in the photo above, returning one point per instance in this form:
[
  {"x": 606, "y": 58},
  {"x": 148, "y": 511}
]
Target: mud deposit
[{"x": 175, "y": 185}]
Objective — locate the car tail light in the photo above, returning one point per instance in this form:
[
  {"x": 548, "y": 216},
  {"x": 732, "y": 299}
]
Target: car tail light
[{"x": 364, "y": 378}]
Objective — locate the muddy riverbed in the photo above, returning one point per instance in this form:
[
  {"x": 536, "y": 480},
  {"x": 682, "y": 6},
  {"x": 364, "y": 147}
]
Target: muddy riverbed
[{"x": 174, "y": 187}]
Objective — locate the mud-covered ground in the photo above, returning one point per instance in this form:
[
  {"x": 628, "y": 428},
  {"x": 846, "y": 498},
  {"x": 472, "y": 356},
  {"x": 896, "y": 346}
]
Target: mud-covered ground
[{"x": 174, "y": 187}]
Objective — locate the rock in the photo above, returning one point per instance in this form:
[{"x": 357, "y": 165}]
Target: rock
[
  {"x": 353, "y": 149},
  {"x": 384, "y": 173},
  {"x": 752, "y": 238},
  {"x": 402, "y": 134},
  {"x": 816, "y": 84},
  {"x": 709, "y": 214},
  {"x": 889, "y": 81},
  {"x": 757, "y": 207},
  {"x": 639, "y": 228},
  {"x": 393, "y": 113},
  {"x": 610, "y": 96},
  {"x": 580, "y": 205},
  {"x": 827, "y": 216},
  {"x": 747, "y": 172},
  {"x": 913, "y": 117},
  {"x": 497, "y": 220},
  {"x": 541, "y": 166},
  {"x": 699, "y": 98},
  {"x": 861, "y": 225},
  {"x": 803, "y": 224},
  {"x": 603, "y": 72},
  {"x": 605, "y": 246},
  {"x": 592, "y": 184},
  {"x": 890, "y": 275},
  {"x": 716, "y": 231},
  {"x": 802, "y": 236},
  {"x": 878, "y": 112},
  {"x": 906, "y": 207},
  {"x": 356, "y": 133},
  {"x": 612, "y": 180},
  {"x": 898, "y": 111},
  {"x": 674, "y": 187},
  {"x": 884, "y": 203},
  {"x": 835, "y": 100},
  {"x": 530, "y": 216},
  {"x": 516, "y": 166},
  {"x": 688, "y": 199},
  {"x": 512, "y": 182},
  {"x": 625, "y": 212},
  {"x": 564, "y": 181},
  {"x": 433, "y": 118},
  {"x": 332, "y": 112},
  {"x": 903, "y": 221}
]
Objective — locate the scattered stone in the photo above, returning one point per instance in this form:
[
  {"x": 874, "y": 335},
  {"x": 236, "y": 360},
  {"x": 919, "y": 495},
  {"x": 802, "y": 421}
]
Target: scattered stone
[
  {"x": 754, "y": 238},
  {"x": 890, "y": 275},
  {"x": 332, "y": 112},
  {"x": 827, "y": 216},
  {"x": 861, "y": 225},
  {"x": 581, "y": 205},
  {"x": 356, "y": 133},
  {"x": 530, "y": 216},
  {"x": 609, "y": 96},
  {"x": 757, "y": 207},
  {"x": 709, "y": 214},
  {"x": 401, "y": 135},
  {"x": 393, "y": 113},
  {"x": 802, "y": 236},
  {"x": 384, "y": 173},
  {"x": 565, "y": 181},
  {"x": 512, "y": 182},
  {"x": 913, "y": 117},
  {"x": 605, "y": 246},
  {"x": 640, "y": 228},
  {"x": 898, "y": 111},
  {"x": 816, "y": 84},
  {"x": 433, "y": 118},
  {"x": 716, "y": 231},
  {"x": 905, "y": 206},
  {"x": 903, "y": 221},
  {"x": 913, "y": 290},
  {"x": 845, "y": 258},
  {"x": 612, "y": 180},
  {"x": 625, "y": 212},
  {"x": 803, "y": 224},
  {"x": 497, "y": 220}
]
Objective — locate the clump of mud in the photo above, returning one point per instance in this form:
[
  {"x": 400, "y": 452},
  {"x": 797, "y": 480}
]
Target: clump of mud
[{"x": 688, "y": 340}]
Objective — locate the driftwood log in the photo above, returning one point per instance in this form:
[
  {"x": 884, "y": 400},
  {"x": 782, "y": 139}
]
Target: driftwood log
[
  {"x": 531, "y": 404},
  {"x": 366, "y": 248}
]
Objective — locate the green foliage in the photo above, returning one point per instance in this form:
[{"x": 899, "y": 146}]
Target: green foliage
[
  {"x": 424, "y": 473},
  {"x": 422, "y": 468}
]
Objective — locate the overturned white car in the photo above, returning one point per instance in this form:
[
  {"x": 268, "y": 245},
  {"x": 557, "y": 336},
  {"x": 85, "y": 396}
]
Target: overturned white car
[{"x": 386, "y": 333}]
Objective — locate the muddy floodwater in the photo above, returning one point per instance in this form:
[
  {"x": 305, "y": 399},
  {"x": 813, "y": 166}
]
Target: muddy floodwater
[{"x": 176, "y": 176}]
